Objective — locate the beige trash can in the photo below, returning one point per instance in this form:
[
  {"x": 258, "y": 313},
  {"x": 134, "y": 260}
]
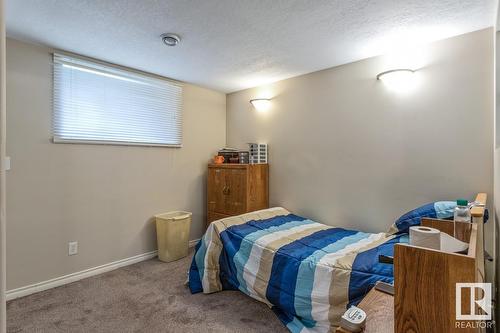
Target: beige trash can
[{"x": 172, "y": 234}]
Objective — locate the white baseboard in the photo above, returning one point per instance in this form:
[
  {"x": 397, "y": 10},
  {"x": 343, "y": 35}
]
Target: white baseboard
[
  {"x": 62, "y": 280},
  {"x": 192, "y": 243}
]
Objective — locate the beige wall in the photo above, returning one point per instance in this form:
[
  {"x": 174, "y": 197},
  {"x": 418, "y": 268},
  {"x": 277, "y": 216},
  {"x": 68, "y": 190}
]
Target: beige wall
[
  {"x": 101, "y": 196},
  {"x": 346, "y": 151},
  {"x": 343, "y": 150},
  {"x": 497, "y": 163},
  {"x": 3, "y": 188}
]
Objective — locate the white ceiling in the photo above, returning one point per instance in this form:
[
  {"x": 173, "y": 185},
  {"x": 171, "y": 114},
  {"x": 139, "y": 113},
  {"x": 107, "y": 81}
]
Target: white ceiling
[{"x": 230, "y": 45}]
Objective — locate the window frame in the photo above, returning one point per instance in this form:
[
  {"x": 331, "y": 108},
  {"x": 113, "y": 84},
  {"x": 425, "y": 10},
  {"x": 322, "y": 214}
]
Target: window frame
[{"x": 127, "y": 70}]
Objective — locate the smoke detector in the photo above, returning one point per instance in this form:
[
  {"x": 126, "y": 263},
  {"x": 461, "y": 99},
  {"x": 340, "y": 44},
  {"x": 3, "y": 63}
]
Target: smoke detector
[{"x": 170, "y": 39}]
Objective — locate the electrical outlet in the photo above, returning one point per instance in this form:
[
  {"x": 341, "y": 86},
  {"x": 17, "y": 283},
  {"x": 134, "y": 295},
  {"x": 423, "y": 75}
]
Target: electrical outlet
[
  {"x": 72, "y": 248},
  {"x": 7, "y": 163}
]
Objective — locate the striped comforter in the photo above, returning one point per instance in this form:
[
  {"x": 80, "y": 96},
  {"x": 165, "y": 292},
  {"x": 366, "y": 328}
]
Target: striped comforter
[{"x": 307, "y": 272}]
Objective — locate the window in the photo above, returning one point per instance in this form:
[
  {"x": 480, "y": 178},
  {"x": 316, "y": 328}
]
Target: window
[{"x": 98, "y": 103}]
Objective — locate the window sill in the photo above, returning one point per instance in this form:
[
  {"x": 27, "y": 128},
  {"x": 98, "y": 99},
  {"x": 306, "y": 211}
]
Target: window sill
[{"x": 114, "y": 143}]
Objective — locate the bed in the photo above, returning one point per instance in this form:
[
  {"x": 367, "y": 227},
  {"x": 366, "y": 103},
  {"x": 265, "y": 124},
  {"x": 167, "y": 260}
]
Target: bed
[{"x": 307, "y": 272}]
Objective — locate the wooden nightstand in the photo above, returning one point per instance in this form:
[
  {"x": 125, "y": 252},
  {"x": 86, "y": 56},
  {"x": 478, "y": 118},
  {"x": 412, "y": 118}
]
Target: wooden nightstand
[{"x": 379, "y": 308}]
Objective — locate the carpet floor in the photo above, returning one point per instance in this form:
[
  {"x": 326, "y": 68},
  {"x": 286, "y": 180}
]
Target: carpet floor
[{"x": 146, "y": 297}]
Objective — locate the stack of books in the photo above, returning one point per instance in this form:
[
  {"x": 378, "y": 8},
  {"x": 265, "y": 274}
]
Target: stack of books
[{"x": 232, "y": 155}]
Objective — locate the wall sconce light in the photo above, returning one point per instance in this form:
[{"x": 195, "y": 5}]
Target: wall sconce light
[
  {"x": 402, "y": 79},
  {"x": 261, "y": 104}
]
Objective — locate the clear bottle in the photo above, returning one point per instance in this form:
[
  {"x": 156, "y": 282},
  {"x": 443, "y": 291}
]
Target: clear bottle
[{"x": 461, "y": 215}]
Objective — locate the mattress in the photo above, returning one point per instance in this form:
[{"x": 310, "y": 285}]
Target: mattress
[{"x": 307, "y": 272}]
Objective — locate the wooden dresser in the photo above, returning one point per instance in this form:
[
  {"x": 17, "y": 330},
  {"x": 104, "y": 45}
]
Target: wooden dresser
[{"x": 234, "y": 189}]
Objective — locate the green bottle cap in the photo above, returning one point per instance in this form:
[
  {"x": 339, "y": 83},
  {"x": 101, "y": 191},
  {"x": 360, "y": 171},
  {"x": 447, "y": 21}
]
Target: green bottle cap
[{"x": 462, "y": 202}]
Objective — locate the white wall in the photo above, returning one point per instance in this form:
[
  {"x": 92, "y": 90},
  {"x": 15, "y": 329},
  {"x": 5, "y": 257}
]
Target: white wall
[
  {"x": 346, "y": 151},
  {"x": 104, "y": 197}
]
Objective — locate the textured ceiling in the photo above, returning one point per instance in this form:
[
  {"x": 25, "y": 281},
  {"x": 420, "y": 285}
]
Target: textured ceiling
[{"x": 230, "y": 45}]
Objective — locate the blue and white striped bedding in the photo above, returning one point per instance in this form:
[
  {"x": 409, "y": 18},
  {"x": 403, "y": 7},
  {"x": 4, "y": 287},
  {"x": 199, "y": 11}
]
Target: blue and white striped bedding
[{"x": 307, "y": 272}]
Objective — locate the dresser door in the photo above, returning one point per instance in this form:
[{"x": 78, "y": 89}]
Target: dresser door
[
  {"x": 216, "y": 185},
  {"x": 235, "y": 191}
]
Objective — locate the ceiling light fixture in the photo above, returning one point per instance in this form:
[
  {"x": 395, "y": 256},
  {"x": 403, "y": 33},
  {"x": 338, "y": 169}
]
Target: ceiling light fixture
[
  {"x": 261, "y": 104},
  {"x": 170, "y": 39}
]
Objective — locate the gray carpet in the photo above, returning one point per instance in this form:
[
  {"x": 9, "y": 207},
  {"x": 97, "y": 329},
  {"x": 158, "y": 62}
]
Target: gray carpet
[{"x": 146, "y": 297}]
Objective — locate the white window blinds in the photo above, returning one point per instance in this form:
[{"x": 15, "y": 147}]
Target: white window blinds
[{"x": 97, "y": 103}]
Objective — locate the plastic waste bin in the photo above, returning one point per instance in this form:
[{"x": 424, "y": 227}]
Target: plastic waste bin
[{"x": 172, "y": 234}]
